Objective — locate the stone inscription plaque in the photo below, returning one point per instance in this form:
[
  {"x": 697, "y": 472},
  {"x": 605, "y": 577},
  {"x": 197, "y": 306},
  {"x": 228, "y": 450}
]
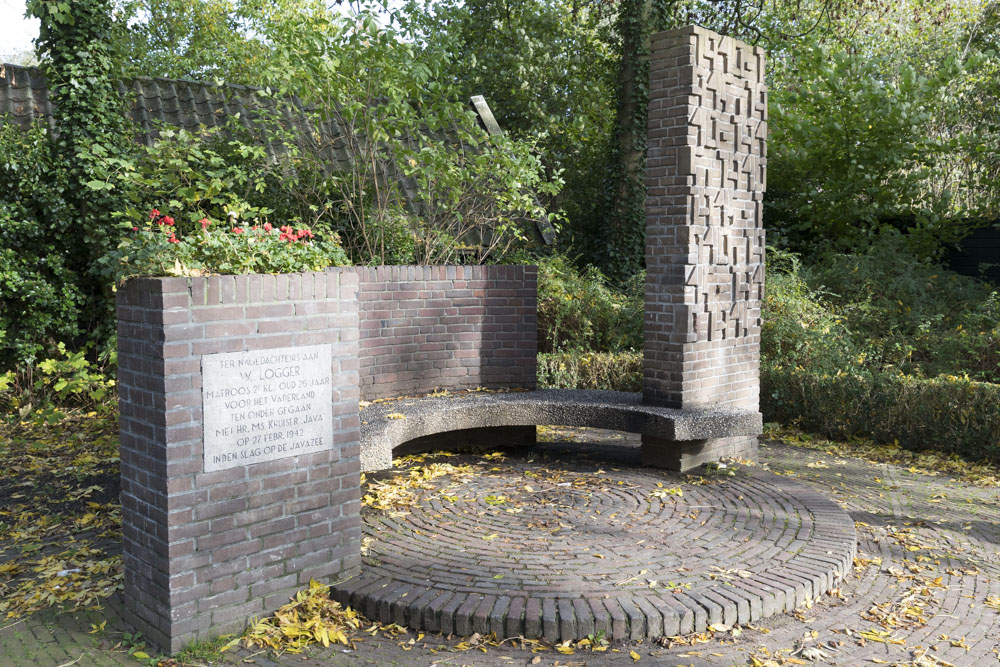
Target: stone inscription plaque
[{"x": 266, "y": 405}]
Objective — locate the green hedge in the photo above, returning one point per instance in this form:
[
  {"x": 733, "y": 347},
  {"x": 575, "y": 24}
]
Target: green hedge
[
  {"x": 615, "y": 371},
  {"x": 945, "y": 414}
]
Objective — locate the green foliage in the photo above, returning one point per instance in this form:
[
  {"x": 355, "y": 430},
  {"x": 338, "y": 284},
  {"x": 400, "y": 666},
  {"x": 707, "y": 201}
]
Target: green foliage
[
  {"x": 204, "y": 174},
  {"x": 38, "y": 300},
  {"x": 883, "y": 117},
  {"x": 417, "y": 152},
  {"x": 882, "y": 345},
  {"x": 885, "y": 310},
  {"x": 230, "y": 171},
  {"x": 851, "y": 153},
  {"x": 947, "y": 413},
  {"x": 800, "y": 330},
  {"x": 426, "y": 184},
  {"x": 158, "y": 248},
  {"x": 911, "y": 315},
  {"x": 225, "y": 40},
  {"x": 68, "y": 381},
  {"x": 580, "y": 311},
  {"x": 75, "y": 44},
  {"x": 39, "y": 295},
  {"x": 547, "y": 69},
  {"x": 206, "y": 40},
  {"x": 621, "y": 234},
  {"x": 612, "y": 371}
]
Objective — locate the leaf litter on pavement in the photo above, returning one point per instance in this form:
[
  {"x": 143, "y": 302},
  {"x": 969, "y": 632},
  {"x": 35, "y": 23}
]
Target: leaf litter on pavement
[
  {"x": 60, "y": 545},
  {"x": 60, "y": 517}
]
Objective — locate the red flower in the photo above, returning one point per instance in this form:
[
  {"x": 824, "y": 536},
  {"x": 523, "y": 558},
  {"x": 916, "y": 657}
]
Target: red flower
[
  {"x": 204, "y": 223},
  {"x": 167, "y": 220},
  {"x": 154, "y": 214},
  {"x": 173, "y": 239},
  {"x": 267, "y": 226},
  {"x": 135, "y": 229},
  {"x": 237, "y": 230}
]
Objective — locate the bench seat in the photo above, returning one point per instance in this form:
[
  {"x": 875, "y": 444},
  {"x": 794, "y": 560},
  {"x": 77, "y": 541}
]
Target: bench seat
[{"x": 390, "y": 424}]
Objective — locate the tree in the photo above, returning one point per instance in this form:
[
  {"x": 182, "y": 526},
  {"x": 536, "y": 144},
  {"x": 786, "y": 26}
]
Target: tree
[
  {"x": 547, "y": 69},
  {"x": 625, "y": 225},
  {"x": 425, "y": 182},
  {"x": 208, "y": 40},
  {"x": 882, "y": 122}
]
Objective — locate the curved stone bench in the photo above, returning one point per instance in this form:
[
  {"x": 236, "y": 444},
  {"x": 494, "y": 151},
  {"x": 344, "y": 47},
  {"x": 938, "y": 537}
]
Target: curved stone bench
[{"x": 414, "y": 418}]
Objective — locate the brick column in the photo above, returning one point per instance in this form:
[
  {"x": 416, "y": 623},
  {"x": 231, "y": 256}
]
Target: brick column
[
  {"x": 208, "y": 544},
  {"x": 704, "y": 234}
]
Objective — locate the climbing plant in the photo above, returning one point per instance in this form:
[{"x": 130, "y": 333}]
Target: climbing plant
[
  {"x": 93, "y": 140},
  {"x": 621, "y": 252}
]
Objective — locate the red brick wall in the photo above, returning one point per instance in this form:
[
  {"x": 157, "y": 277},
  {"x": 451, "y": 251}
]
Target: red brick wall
[{"x": 446, "y": 327}]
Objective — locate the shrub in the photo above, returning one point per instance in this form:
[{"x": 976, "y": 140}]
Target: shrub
[
  {"x": 40, "y": 297},
  {"x": 852, "y": 149},
  {"x": 613, "y": 371},
  {"x": 910, "y": 314},
  {"x": 204, "y": 173},
  {"x": 42, "y": 391},
  {"x": 580, "y": 311},
  {"x": 848, "y": 345},
  {"x": 800, "y": 330},
  {"x": 418, "y": 153},
  {"x": 948, "y": 414}
]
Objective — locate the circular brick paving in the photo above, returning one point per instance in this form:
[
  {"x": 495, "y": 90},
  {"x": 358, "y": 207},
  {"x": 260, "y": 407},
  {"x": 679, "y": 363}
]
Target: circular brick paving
[
  {"x": 956, "y": 570},
  {"x": 523, "y": 549}
]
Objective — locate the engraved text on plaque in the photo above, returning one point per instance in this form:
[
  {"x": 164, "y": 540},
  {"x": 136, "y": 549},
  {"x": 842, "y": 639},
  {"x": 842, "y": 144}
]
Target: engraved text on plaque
[{"x": 266, "y": 405}]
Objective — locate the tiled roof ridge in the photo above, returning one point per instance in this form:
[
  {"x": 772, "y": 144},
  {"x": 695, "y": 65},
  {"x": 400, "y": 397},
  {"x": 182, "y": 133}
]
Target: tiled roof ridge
[
  {"x": 24, "y": 97},
  {"x": 36, "y": 71}
]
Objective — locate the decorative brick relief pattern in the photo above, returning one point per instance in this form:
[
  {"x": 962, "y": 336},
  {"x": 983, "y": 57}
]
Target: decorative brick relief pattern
[
  {"x": 446, "y": 327},
  {"x": 206, "y": 551},
  {"x": 704, "y": 236}
]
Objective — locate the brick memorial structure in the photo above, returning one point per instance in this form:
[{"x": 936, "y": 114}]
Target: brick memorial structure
[
  {"x": 239, "y": 420},
  {"x": 705, "y": 183},
  {"x": 239, "y": 445},
  {"x": 241, "y": 431}
]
